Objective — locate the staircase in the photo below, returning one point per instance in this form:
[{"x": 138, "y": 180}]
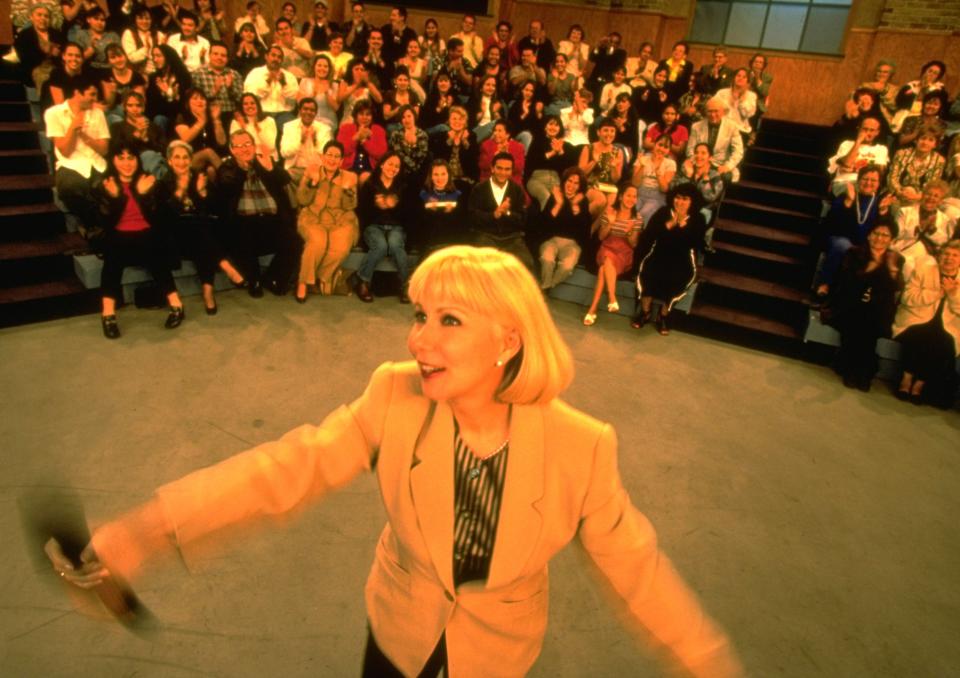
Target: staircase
[
  {"x": 37, "y": 281},
  {"x": 753, "y": 286}
]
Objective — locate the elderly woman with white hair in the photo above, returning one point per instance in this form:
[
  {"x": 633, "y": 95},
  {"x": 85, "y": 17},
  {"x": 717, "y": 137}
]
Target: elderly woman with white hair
[{"x": 485, "y": 475}]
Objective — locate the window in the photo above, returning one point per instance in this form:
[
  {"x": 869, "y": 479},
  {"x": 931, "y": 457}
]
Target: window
[{"x": 792, "y": 25}]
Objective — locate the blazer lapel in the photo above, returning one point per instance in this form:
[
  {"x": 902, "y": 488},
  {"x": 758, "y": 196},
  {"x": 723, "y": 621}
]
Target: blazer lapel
[
  {"x": 518, "y": 531},
  {"x": 431, "y": 483}
]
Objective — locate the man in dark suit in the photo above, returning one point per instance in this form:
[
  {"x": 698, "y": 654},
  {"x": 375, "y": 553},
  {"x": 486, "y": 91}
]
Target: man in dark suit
[
  {"x": 497, "y": 212},
  {"x": 396, "y": 35},
  {"x": 716, "y": 76}
]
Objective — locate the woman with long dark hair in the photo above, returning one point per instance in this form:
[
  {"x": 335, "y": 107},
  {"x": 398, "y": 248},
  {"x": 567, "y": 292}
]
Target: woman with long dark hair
[
  {"x": 550, "y": 155},
  {"x": 139, "y": 40},
  {"x": 168, "y": 81},
  {"x": 200, "y": 125}
]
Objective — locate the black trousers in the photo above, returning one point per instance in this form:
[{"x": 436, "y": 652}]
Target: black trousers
[
  {"x": 76, "y": 194},
  {"x": 376, "y": 664},
  {"x": 196, "y": 239},
  {"x": 265, "y": 234},
  {"x": 138, "y": 248}
]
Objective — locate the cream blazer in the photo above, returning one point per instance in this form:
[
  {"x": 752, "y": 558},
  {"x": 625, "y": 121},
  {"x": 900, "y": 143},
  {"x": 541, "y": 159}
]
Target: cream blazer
[
  {"x": 921, "y": 298},
  {"x": 561, "y": 482}
]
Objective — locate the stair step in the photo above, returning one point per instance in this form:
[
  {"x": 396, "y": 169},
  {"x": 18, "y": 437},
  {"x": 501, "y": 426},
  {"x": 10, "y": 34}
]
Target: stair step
[
  {"x": 757, "y": 253},
  {"x": 766, "y": 232},
  {"x": 42, "y": 208},
  {"x": 64, "y": 243},
  {"x": 785, "y": 170},
  {"x": 792, "y": 154},
  {"x": 14, "y": 111},
  {"x": 767, "y": 208},
  {"x": 745, "y": 283},
  {"x": 743, "y": 319},
  {"x": 774, "y": 188},
  {"x": 21, "y": 182},
  {"x": 20, "y": 127},
  {"x": 45, "y": 290}
]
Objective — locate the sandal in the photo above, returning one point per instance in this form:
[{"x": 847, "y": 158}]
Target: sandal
[
  {"x": 589, "y": 319},
  {"x": 613, "y": 307},
  {"x": 639, "y": 320},
  {"x": 662, "y": 325}
]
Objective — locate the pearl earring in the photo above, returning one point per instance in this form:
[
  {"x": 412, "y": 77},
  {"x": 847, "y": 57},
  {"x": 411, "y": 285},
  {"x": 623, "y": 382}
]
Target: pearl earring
[{"x": 499, "y": 363}]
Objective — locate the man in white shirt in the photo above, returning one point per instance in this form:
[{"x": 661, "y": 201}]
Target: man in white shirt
[
  {"x": 297, "y": 53},
  {"x": 303, "y": 140},
  {"x": 923, "y": 228},
  {"x": 80, "y": 136},
  {"x": 192, "y": 47},
  {"x": 860, "y": 152},
  {"x": 276, "y": 88},
  {"x": 578, "y": 118},
  {"x": 472, "y": 43}
]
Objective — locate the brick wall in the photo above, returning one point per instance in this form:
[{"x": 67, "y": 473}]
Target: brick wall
[{"x": 927, "y": 15}]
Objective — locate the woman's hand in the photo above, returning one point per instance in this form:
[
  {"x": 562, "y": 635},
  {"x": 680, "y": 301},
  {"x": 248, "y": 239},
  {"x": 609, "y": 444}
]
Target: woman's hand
[
  {"x": 557, "y": 194},
  {"x": 202, "y": 183},
  {"x": 111, "y": 187},
  {"x": 145, "y": 183},
  {"x": 948, "y": 285},
  {"x": 91, "y": 572}
]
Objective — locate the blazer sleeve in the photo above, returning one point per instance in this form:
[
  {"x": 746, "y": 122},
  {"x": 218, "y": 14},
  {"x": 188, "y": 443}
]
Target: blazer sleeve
[
  {"x": 622, "y": 542},
  {"x": 280, "y": 476}
]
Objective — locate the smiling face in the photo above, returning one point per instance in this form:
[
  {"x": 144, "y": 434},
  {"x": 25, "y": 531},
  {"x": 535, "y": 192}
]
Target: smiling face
[
  {"x": 375, "y": 41},
  {"x": 126, "y": 164},
  {"x": 468, "y": 24},
  {"x": 443, "y": 83},
  {"x": 218, "y": 57},
  {"x": 321, "y": 69},
  {"x": 931, "y": 74},
  {"x": 332, "y": 157},
  {"x": 741, "y": 80},
  {"x": 527, "y": 91},
  {"x": 501, "y": 171},
  {"x": 607, "y": 134},
  {"x": 926, "y": 143},
  {"x": 883, "y": 72},
  {"x": 247, "y": 35},
  {"x": 97, "y": 23},
  {"x": 714, "y": 112},
  {"x": 408, "y": 119},
  {"x": 40, "y": 17},
  {"x": 143, "y": 21},
  {"x": 628, "y": 199},
  {"x": 364, "y": 117},
  {"x": 493, "y": 56},
  {"x": 118, "y": 60},
  {"x": 681, "y": 203},
  {"x": 868, "y": 183},
  {"x": 571, "y": 186},
  {"x": 949, "y": 260},
  {"x": 870, "y": 129},
  {"x": 402, "y": 81},
  {"x": 440, "y": 176},
  {"x": 413, "y": 49},
  {"x": 932, "y": 197},
  {"x": 72, "y": 58},
  {"x": 662, "y": 147},
  {"x": 500, "y": 134},
  {"x": 489, "y": 87},
  {"x": 659, "y": 79},
  {"x": 879, "y": 238},
  {"x": 198, "y": 104},
  {"x": 133, "y": 108},
  {"x": 679, "y": 52},
  {"x": 457, "y": 350},
  {"x": 274, "y": 58},
  {"x": 458, "y": 121},
  {"x": 552, "y": 128},
  {"x": 179, "y": 161},
  {"x": 932, "y": 107},
  {"x": 701, "y": 156},
  {"x": 308, "y": 112},
  {"x": 561, "y": 62},
  {"x": 390, "y": 167},
  {"x": 248, "y": 105}
]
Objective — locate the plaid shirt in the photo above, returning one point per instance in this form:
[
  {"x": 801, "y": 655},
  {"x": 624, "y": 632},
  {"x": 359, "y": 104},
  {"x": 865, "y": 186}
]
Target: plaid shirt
[
  {"x": 204, "y": 79},
  {"x": 255, "y": 199}
]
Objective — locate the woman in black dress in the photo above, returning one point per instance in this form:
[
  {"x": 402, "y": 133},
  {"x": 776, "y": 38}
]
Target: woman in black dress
[{"x": 668, "y": 255}]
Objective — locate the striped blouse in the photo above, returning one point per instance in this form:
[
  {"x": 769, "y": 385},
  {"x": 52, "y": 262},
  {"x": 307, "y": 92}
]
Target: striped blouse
[{"x": 478, "y": 491}]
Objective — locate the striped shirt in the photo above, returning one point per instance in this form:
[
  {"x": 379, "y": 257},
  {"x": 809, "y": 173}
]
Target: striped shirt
[{"x": 478, "y": 491}]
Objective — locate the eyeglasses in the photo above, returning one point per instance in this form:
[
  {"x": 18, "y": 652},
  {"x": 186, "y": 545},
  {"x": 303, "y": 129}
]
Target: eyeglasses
[{"x": 243, "y": 145}]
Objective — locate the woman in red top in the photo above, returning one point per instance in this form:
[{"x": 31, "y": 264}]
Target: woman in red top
[
  {"x": 364, "y": 142},
  {"x": 131, "y": 203}
]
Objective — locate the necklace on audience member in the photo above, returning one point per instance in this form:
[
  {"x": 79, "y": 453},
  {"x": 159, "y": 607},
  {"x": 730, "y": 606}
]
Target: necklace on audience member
[{"x": 861, "y": 219}]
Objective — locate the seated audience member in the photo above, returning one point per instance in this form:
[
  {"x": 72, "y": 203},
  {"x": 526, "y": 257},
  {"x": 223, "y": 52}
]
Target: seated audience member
[
  {"x": 459, "y": 148},
  {"x": 396, "y": 34},
  {"x": 613, "y": 89},
  {"x": 188, "y": 215},
  {"x": 491, "y": 67},
  {"x": 249, "y": 53},
  {"x": 646, "y": 65},
  {"x": 416, "y": 68},
  {"x": 853, "y": 155},
  {"x": 261, "y": 128},
  {"x": 131, "y": 206},
  {"x": 339, "y": 58},
  {"x": 576, "y": 50},
  {"x": 165, "y": 85},
  {"x": 602, "y": 163},
  {"x": 923, "y": 228},
  {"x": 883, "y": 88},
  {"x": 526, "y": 71},
  {"x": 760, "y": 82},
  {"x": 140, "y": 39},
  {"x": 699, "y": 171},
  {"x": 356, "y": 31},
  {"x": 378, "y": 68},
  {"x": 913, "y": 168},
  {"x": 356, "y": 88},
  {"x": 931, "y": 116},
  {"x": 679, "y": 69},
  {"x": 78, "y": 130},
  {"x": 461, "y": 78},
  {"x": 526, "y": 114},
  {"x": 211, "y": 24},
  {"x": 648, "y": 101},
  {"x": 472, "y": 43},
  {"x": 863, "y": 104},
  {"x": 327, "y": 196},
  {"x": 497, "y": 212},
  {"x": 566, "y": 222},
  {"x": 502, "y": 39},
  {"x": 927, "y": 325},
  {"x": 383, "y": 212},
  {"x": 537, "y": 40},
  {"x": 190, "y": 45},
  {"x": 412, "y": 145},
  {"x": 116, "y": 82},
  {"x": 362, "y": 142},
  {"x": 441, "y": 219},
  {"x": 318, "y": 30},
  {"x": 618, "y": 230},
  {"x": 669, "y": 124},
  {"x": 38, "y": 47},
  {"x": 951, "y": 205},
  {"x": 692, "y": 104},
  {"x": 862, "y": 303},
  {"x": 722, "y": 137},
  {"x": 255, "y": 19},
  {"x": 629, "y": 127},
  {"x": 717, "y": 75},
  {"x": 850, "y": 217},
  {"x": 200, "y": 125},
  {"x": 275, "y": 87},
  {"x": 303, "y": 140},
  {"x": 436, "y": 108},
  {"x": 607, "y": 58},
  {"x": 668, "y": 255},
  {"x": 910, "y": 97},
  {"x": 740, "y": 100},
  {"x": 561, "y": 86},
  {"x": 251, "y": 197},
  {"x": 297, "y": 53},
  {"x": 221, "y": 84},
  {"x": 549, "y": 157},
  {"x": 432, "y": 49},
  {"x": 136, "y": 131},
  {"x": 485, "y": 108},
  {"x": 95, "y": 39},
  {"x": 399, "y": 97},
  {"x": 501, "y": 142},
  {"x": 652, "y": 175},
  {"x": 578, "y": 118},
  {"x": 69, "y": 69}
]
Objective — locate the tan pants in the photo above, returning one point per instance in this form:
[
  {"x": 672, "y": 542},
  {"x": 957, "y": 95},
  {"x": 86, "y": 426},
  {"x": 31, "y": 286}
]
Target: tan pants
[
  {"x": 558, "y": 257},
  {"x": 326, "y": 243}
]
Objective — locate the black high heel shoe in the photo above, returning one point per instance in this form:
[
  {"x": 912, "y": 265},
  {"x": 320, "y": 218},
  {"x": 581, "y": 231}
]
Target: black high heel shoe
[
  {"x": 662, "y": 325},
  {"x": 111, "y": 330},
  {"x": 175, "y": 319},
  {"x": 639, "y": 320}
]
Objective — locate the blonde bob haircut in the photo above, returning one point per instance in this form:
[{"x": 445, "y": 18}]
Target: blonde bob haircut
[{"x": 495, "y": 284}]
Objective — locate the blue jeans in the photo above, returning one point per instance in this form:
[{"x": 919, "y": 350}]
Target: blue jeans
[{"x": 383, "y": 241}]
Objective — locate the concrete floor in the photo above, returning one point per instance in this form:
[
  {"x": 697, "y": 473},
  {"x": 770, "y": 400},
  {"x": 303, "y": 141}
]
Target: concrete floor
[{"x": 817, "y": 523}]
